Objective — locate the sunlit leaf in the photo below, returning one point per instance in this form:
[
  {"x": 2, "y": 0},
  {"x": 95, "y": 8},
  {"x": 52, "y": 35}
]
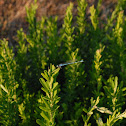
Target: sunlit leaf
[{"x": 3, "y": 88}]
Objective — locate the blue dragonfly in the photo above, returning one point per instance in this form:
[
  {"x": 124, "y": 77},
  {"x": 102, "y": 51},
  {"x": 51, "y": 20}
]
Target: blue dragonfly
[{"x": 64, "y": 64}]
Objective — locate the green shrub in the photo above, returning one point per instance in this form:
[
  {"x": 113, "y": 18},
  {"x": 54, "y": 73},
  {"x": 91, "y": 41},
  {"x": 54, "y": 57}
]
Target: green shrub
[
  {"x": 95, "y": 69},
  {"x": 8, "y": 91},
  {"x": 48, "y": 104}
]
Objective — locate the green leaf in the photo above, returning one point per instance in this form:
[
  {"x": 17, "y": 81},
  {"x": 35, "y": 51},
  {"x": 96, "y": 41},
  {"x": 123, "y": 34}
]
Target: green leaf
[
  {"x": 4, "y": 88},
  {"x": 55, "y": 72},
  {"x": 45, "y": 116},
  {"x": 55, "y": 93},
  {"x": 57, "y": 100},
  {"x": 90, "y": 113},
  {"x": 84, "y": 118},
  {"x": 45, "y": 75},
  {"x": 85, "y": 110},
  {"x": 116, "y": 83},
  {"x": 44, "y": 109},
  {"x": 46, "y": 103},
  {"x": 46, "y": 98},
  {"x": 46, "y": 91},
  {"x": 51, "y": 82},
  {"x": 44, "y": 84},
  {"x": 97, "y": 101},
  {"x": 55, "y": 85},
  {"x": 40, "y": 122},
  {"x": 89, "y": 124},
  {"x": 68, "y": 122},
  {"x": 124, "y": 89},
  {"x": 57, "y": 108}
]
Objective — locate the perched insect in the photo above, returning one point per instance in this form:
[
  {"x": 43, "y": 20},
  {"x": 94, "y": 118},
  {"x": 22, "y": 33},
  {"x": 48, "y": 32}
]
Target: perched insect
[
  {"x": 64, "y": 64},
  {"x": 103, "y": 110}
]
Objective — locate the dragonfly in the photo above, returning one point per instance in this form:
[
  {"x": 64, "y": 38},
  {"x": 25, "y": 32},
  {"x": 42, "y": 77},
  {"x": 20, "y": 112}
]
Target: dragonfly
[{"x": 64, "y": 64}]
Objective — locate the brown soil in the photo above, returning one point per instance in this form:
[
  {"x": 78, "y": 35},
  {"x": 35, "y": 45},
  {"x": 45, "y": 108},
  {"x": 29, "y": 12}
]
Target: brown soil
[{"x": 13, "y": 13}]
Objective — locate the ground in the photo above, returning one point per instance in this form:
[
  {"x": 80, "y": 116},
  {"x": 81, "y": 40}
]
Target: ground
[{"x": 13, "y": 13}]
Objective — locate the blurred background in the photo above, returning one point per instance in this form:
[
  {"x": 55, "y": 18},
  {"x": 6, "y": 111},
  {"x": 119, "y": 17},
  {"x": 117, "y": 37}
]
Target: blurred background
[{"x": 13, "y": 13}]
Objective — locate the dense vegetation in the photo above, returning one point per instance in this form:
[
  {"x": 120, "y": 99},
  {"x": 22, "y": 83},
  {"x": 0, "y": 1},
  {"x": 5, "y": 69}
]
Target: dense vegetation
[{"x": 84, "y": 93}]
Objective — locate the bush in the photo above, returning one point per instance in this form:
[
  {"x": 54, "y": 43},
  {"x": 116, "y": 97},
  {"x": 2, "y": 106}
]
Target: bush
[{"x": 97, "y": 70}]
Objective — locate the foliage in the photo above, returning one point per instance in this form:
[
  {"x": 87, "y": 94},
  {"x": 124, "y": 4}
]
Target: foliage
[
  {"x": 8, "y": 86},
  {"x": 53, "y": 42},
  {"x": 96, "y": 77},
  {"x": 67, "y": 91},
  {"x": 81, "y": 16},
  {"x": 49, "y": 102}
]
